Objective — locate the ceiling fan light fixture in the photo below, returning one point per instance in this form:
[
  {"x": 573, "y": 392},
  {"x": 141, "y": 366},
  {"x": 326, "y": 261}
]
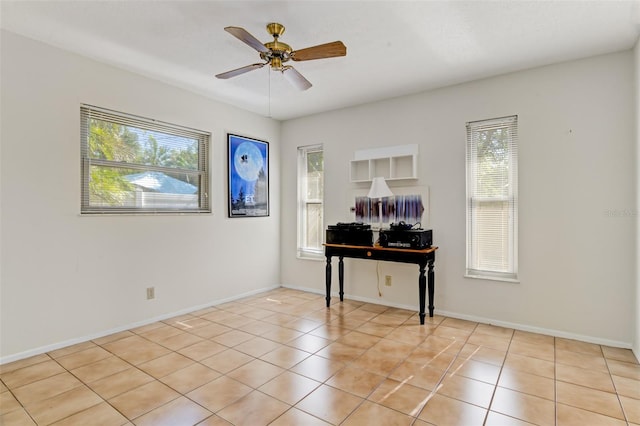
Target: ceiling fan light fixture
[{"x": 276, "y": 63}]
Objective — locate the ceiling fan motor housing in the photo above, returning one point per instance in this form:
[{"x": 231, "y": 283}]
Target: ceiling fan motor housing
[{"x": 279, "y": 52}]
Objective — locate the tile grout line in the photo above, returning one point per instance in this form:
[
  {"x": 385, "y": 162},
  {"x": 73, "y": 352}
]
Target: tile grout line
[
  {"x": 131, "y": 365},
  {"x": 22, "y": 406},
  {"x": 323, "y": 324},
  {"x": 387, "y": 377},
  {"x": 555, "y": 382},
  {"x": 495, "y": 388},
  {"x": 609, "y": 373},
  {"x": 347, "y": 364},
  {"x": 91, "y": 389},
  {"x": 444, "y": 374},
  {"x": 615, "y": 388},
  {"x": 379, "y": 384},
  {"x": 329, "y": 378},
  {"x": 82, "y": 384}
]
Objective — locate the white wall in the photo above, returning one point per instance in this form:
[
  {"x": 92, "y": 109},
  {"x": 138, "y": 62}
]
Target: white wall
[
  {"x": 636, "y": 346},
  {"x": 577, "y": 157},
  {"x": 65, "y": 277}
]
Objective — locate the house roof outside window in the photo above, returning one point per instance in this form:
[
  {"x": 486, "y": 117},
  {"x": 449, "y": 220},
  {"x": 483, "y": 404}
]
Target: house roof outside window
[{"x": 160, "y": 182}]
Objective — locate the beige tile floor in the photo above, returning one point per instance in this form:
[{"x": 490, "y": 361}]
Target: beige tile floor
[{"x": 283, "y": 358}]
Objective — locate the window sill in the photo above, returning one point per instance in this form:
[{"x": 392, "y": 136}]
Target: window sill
[
  {"x": 144, "y": 213},
  {"x": 493, "y": 278},
  {"x": 307, "y": 256}
]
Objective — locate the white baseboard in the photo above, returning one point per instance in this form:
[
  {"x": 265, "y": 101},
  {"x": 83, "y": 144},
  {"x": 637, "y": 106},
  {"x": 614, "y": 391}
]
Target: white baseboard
[
  {"x": 515, "y": 326},
  {"x": 506, "y": 324},
  {"x": 539, "y": 330},
  {"x": 74, "y": 341}
]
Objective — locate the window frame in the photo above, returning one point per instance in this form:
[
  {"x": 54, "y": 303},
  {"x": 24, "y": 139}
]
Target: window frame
[
  {"x": 473, "y": 202},
  {"x": 302, "y": 251},
  {"x": 87, "y": 112}
]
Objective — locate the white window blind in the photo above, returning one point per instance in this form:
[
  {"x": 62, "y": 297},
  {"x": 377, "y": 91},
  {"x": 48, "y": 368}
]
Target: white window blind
[
  {"x": 310, "y": 201},
  {"x": 132, "y": 164},
  {"x": 492, "y": 198}
]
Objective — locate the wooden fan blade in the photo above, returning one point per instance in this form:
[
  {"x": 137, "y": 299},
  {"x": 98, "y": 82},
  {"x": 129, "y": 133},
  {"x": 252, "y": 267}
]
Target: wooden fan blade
[
  {"x": 244, "y": 36},
  {"x": 327, "y": 50},
  {"x": 239, "y": 71},
  {"x": 295, "y": 78}
]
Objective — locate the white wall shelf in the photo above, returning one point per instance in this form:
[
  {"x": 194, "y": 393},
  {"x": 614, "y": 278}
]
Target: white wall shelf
[{"x": 392, "y": 163}]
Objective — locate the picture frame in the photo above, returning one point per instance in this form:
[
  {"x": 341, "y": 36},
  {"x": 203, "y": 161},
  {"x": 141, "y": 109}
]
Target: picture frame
[{"x": 248, "y": 176}]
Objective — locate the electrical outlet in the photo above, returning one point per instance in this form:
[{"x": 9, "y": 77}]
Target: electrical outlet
[
  {"x": 151, "y": 293},
  {"x": 387, "y": 280}
]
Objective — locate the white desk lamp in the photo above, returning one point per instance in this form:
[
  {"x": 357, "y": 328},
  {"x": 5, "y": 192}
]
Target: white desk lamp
[{"x": 379, "y": 190}]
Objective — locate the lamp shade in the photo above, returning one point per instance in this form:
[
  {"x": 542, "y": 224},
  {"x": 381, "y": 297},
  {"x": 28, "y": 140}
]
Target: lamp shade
[{"x": 379, "y": 188}]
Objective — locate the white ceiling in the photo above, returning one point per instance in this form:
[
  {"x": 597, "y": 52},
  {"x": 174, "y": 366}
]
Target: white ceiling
[{"x": 393, "y": 47}]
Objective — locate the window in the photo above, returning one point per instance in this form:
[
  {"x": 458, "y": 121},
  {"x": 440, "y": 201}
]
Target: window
[
  {"x": 310, "y": 201},
  {"x": 492, "y": 199},
  {"x": 137, "y": 165}
]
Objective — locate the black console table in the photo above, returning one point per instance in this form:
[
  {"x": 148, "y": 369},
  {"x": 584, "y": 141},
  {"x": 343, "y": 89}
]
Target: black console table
[{"x": 423, "y": 258}]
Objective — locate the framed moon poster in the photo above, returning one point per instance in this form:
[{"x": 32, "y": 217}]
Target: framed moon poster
[{"x": 248, "y": 176}]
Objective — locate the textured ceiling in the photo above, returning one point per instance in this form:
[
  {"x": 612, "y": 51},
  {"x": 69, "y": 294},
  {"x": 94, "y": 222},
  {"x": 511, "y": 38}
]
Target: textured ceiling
[{"x": 393, "y": 47}]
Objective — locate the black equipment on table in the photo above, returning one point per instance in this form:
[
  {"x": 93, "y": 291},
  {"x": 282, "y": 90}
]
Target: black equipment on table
[{"x": 354, "y": 233}]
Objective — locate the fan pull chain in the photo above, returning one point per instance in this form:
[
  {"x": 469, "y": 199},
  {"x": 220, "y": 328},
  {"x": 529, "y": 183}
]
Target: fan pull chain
[{"x": 269, "y": 85}]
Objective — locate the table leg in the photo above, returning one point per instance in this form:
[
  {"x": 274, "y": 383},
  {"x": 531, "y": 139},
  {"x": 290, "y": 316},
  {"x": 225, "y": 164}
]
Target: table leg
[
  {"x": 328, "y": 280},
  {"x": 431, "y": 287},
  {"x": 422, "y": 284},
  {"x": 341, "y": 277}
]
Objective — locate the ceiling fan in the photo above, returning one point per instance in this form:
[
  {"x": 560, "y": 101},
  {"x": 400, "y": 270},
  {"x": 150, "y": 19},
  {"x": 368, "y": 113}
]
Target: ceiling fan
[{"x": 275, "y": 53}]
